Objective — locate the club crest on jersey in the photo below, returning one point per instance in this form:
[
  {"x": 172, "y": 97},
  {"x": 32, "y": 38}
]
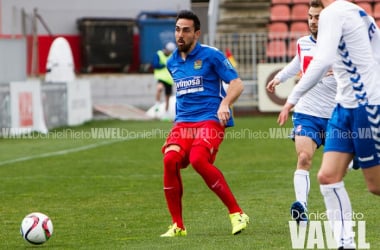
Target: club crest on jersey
[{"x": 198, "y": 64}]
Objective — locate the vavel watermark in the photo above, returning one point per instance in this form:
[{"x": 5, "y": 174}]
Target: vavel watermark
[
  {"x": 318, "y": 233},
  {"x": 156, "y": 133}
]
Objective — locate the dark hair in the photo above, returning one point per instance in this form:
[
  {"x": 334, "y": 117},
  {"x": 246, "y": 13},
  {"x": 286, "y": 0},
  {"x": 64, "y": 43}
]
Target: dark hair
[
  {"x": 187, "y": 14},
  {"x": 316, "y": 3}
]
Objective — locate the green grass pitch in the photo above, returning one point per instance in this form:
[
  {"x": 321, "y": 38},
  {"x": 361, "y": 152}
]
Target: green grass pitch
[{"x": 101, "y": 184}]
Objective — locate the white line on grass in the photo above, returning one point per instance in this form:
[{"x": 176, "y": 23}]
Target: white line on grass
[{"x": 62, "y": 152}]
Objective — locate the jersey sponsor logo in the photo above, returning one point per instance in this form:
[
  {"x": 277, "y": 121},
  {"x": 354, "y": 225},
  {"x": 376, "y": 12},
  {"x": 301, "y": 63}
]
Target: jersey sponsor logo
[{"x": 189, "y": 85}]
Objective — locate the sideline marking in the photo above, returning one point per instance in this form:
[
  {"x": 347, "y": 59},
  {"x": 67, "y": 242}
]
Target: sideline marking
[{"x": 61, "y": 152}]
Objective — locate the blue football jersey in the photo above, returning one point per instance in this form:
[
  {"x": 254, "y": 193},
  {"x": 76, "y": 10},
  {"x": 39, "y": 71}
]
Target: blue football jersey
[{"x": 199, "y": 83}]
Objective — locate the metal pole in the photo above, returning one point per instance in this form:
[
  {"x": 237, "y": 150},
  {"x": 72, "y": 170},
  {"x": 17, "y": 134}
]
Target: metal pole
[
  {"x": 34, "y": 68},
  {"x": 212, "y": 14}
]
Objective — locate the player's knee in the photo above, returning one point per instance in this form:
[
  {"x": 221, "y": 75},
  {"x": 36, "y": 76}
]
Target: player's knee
[
  {"x": 374, "y": 189},
  {"x": 304, "y": 160},
  {"x": 199, "y": 158},
  {"x": 323, "y": 178},
  {"x": 172, "y": 160}
]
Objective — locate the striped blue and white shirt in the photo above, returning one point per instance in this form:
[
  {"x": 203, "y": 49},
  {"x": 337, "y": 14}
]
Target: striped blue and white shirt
[{"x": 349, "y": 41}]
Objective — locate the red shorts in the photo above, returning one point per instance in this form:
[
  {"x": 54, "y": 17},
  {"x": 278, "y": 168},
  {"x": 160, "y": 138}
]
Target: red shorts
[{"x": 188, "y": 134}]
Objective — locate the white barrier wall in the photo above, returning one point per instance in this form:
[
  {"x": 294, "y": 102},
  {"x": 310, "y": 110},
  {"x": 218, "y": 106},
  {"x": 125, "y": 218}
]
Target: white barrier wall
[
  {"x": 12, "y": 60},
  {"x": 26, "y": 108},
  {"x": 272, "y": 102},
  {"x": 34, "y": 106},
  {"x": 79, "y": 104}
]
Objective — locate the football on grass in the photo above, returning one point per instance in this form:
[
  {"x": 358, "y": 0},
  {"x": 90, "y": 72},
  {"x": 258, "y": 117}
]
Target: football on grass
[{"x": 36, "y": 228}]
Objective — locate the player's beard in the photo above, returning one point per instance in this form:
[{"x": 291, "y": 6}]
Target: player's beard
[
  {"x": 315, "y": 34},
  {"x": 314, "y": 31},
  {"x": 185, "y": 47}
]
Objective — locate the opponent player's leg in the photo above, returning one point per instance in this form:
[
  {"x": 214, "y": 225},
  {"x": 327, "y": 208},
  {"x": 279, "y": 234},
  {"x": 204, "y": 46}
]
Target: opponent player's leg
[
  {"x": 173, "y": 189},
  {"x": 367, "y": 148},
  {"x": 337, "y": 201},
  {"x": 308, "y": 134},
  {"x": 305, "y": 148},
  {"x": 372, "y": 177}
]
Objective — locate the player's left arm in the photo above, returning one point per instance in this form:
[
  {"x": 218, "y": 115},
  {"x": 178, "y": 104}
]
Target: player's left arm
[{"x": 234, "y": 90}]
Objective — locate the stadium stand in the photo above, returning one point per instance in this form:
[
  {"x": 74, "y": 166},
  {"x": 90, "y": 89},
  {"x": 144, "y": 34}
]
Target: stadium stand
[
  {"x": 277, "y": 30},
  {"x": 298, "y": 29},
  {"x": 280, "y": 12},
  {"x": 299, "y": 12},
  {"x": 300, "y": 1},
  {"x": 291, "y": 49},
  {"x": 243, "y": 16},
  {"x": 362, "y": 1},
  {"x": 276, "y": 50},
  {"x": 367, "y": 7},
  {"x": 274, "y": 2},
  {"x": 376, "y": 11}
]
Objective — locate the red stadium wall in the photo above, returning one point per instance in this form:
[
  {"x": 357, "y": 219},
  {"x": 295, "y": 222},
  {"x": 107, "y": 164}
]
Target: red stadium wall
[{"x": 45, "y": 41}]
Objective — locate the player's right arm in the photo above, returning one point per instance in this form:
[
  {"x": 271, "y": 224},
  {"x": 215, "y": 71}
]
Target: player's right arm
[
  {"x": 289, "y": 71},
  {"x": 272, "y": 84}
]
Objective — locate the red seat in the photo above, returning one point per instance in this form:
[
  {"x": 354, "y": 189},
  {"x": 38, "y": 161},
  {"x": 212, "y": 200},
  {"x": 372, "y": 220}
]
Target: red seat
[
  {"x": 367, "y": 7},
  {"x": 276, "y": 49},
  {"x": 363, "y": 1},
  {"x": 292, "y": 48},
  {"x": 277, "y": 30},
  {"x": 301, "y": 1},
  {"x": 376, "y": 10},
  {"x": 299, "y": 12},
  {"x": 280, "y": 12},
  {"x": 378, "y": 22},
  {"x": 281, "y": 2},
  {"x": 298, "y": 29}
]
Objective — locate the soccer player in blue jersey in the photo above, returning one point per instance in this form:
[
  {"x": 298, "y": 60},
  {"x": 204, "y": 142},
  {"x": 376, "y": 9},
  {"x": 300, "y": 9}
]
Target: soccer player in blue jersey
[
  {"x": 349, "y": 41},
  {"x": 203, "y": 111}
]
